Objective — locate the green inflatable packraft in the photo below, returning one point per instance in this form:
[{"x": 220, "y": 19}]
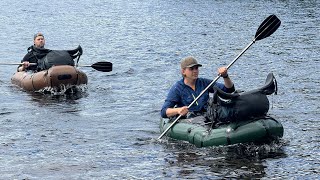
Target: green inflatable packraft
[{"x": 259, "y": 130}]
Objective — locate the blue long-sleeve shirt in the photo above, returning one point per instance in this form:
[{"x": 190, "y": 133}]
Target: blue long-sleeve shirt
[{"x": 181, "y": 95}]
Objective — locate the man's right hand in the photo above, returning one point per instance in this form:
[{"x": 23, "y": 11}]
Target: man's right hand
[
  {"x": 183, "y": 110},
  {"x": 175, "y": 111},
  {"x": 24, "y": 66}
]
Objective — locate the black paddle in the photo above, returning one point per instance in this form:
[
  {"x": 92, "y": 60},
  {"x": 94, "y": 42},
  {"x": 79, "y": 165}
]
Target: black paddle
[
  {"x": 100, "y": 66},
  {"x": 103, "y": 66},
  {"x": 267, "y": 27}
]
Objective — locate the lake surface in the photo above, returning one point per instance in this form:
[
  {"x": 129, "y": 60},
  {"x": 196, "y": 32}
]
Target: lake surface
[{"x": 111, "y": 130}]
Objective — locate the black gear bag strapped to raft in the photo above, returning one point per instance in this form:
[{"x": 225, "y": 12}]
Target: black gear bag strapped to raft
[
  {"x": 225, "y": 107},
  {"x": 48, "y": 58}
]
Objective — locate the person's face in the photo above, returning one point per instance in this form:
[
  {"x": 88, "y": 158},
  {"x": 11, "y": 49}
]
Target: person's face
[
  {"x": 39, "y": 41},
  {"x": 191, "y": 72}
]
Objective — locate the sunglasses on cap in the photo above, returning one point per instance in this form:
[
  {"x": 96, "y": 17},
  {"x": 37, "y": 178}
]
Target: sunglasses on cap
[{"x": 193, "y": 68}]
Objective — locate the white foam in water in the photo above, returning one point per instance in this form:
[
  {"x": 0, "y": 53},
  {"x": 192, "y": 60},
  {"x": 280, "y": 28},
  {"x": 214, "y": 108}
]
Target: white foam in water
[{"x": 64, "y": 89}]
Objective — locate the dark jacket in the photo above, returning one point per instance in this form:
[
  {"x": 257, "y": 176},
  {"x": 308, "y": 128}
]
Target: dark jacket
[
  {"x": 45, "y": 58},
  {"x": 34, "y": 55}
]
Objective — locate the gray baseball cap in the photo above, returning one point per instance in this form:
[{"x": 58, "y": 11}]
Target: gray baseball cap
[{"x": 189, "y": 62}]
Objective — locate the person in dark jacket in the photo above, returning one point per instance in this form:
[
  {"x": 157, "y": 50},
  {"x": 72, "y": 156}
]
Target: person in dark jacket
[
  {"x": 31, "y": 57},
  {"x": 185, "y": 91}
]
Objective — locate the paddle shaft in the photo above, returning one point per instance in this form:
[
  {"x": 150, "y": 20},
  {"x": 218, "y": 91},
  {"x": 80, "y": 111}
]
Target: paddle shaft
[
  {"x": 31, "y": 64},
  {"x": 83, "y": 65},
  {"x": 100, "y": 66}
]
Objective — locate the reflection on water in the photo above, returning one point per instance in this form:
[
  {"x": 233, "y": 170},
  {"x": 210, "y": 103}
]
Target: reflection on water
[
  {"x": 56, "y": 98},
  {"x": 235, "y": 161}
]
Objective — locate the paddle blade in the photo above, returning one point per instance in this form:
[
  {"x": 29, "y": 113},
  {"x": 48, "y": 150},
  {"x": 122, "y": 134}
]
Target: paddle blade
[
  {"x": 267, "y": 27},
  {"x": 102, "y": 66}
]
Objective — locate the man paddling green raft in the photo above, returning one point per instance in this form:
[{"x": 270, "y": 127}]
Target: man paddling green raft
[{"x": 266, "y": 28}]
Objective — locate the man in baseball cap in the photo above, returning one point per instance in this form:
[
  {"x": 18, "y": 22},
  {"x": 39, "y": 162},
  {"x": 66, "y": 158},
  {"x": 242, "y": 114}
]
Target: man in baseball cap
[{"x": 185, "y": 91}]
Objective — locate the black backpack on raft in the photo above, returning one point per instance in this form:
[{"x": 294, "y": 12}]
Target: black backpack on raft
[
  {"x": 47, "y": 58},
  {"x": 232, "y": 107}
]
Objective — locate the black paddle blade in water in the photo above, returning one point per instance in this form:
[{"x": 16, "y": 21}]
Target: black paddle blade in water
[
  {"x": 267, "y": 27},
  {"x": 102, "y": 66}
]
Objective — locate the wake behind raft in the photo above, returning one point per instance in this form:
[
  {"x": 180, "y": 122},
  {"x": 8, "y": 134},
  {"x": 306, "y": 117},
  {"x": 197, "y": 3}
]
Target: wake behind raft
[{"x": 234, "y": 118}]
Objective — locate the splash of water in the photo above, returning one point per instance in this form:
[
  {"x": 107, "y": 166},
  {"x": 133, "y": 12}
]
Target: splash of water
[{"x": 64, "y": 89}]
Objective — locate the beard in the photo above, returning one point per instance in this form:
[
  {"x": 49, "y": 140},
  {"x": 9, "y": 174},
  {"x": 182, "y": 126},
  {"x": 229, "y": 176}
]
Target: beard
[{"x": 40, "y": 45}]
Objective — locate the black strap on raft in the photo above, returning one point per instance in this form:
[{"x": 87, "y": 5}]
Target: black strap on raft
[
  {"x": 76, "y": 53},
  {"x": 265, "y": 127},
  {"x": 270, "y": 85}
]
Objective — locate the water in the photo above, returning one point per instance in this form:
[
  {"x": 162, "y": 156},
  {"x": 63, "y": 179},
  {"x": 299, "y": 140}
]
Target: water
[{"x": 110, "y": 131}]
